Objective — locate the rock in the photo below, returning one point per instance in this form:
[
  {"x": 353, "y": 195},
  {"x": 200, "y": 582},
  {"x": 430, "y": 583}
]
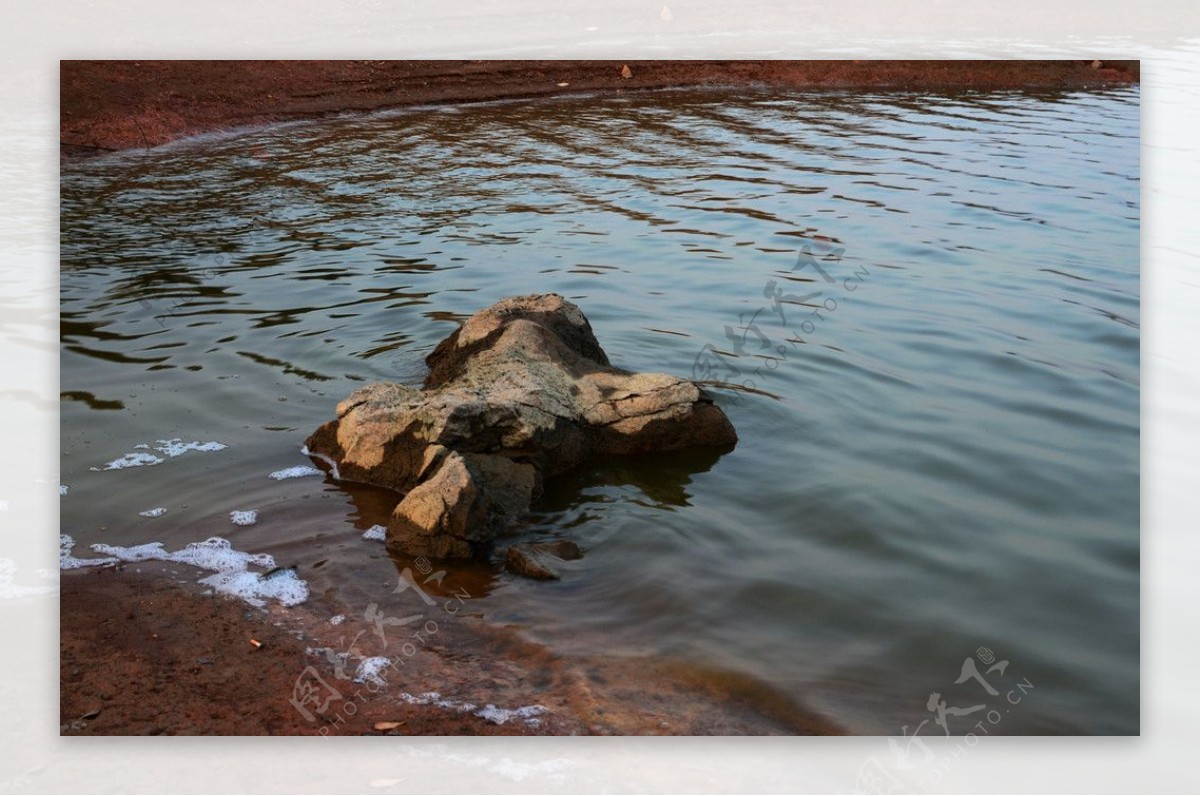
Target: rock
[
  {"x": 535, "y": 560},
  {"x": 523, "y": 560},
  {"x": 532, "y": 560},
  {"x": 457, "y": 511},
  {"x": 520, "y": 392}
]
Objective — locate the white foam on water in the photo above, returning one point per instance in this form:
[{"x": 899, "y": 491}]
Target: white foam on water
[
  {"x": 63, "y": 489},
  {"x": 156, "y": 512},
  {"x": 529, "y": 714},
  {"x": 152, "y": 551},
  {"x": 423, "y": 699},
  {"x": 369, "y": 670},
  {"x": 428, "y": 698},
  {"x": 434, "y": 698},
  {"x": 131, "y": 460},
  {"x": 337, "y": 620},
  {"x": 284, "y": 587},
  {"x": 177, "y": 447},
  {"x": 333, "y": 468},
  {"x": 376, "y": 533},
  {"x": 244, "y": 517},
  {"x": 168, "y": 447},
  {"x": 216, "y": 555},
  {"x": 299, "y": 471},
  {"x": 67, "y": 561}
]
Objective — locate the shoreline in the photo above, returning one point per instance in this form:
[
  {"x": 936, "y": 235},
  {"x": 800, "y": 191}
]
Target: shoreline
[
  {"x": 132, "y": 663},
  {"x": 108, "y": 106}
]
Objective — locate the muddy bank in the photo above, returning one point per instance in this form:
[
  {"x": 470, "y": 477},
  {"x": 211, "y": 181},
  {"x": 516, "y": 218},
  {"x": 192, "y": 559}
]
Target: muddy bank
[
  {"x": 142, "y": 655},
  {"x": 114, "y": 105},
  {"x": 143, "y": 652}
]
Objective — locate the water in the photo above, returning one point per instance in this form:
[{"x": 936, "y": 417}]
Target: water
[{"x": 944, "y": 458}]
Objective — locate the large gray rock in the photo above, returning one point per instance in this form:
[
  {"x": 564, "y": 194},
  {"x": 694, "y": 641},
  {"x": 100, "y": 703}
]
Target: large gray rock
[{"x": 520, "y": 392}]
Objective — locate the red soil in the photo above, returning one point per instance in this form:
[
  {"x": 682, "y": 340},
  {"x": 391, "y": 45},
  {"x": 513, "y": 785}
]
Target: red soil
[
  {"x": 112, "y": 105},
  {"x": 144, "y": 654}
]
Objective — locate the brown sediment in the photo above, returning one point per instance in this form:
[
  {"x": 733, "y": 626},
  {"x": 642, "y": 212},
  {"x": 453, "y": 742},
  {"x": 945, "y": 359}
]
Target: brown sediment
[
  {"x": 114, "y": 105},
  {"x": 143, "y": 653}
]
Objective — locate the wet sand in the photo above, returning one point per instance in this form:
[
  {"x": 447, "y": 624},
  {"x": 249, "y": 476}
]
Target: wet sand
[
  {"x": 143, "y": 655},
  {"x": 143, "y": 652},
  {"x": 115, "y": 105}
]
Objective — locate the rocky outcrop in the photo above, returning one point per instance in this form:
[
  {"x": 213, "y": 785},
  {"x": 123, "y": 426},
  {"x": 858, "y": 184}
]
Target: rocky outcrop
[{"x": 521, "y": 392}]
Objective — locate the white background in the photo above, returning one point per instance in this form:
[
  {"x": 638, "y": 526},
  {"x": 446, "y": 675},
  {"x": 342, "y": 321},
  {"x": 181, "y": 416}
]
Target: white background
[{"x": 34, "y": 36}]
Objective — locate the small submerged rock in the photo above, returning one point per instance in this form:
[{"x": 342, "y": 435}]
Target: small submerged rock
[
  {"x": 533, "y": 560},
  {"x": 520, "y": 392}
]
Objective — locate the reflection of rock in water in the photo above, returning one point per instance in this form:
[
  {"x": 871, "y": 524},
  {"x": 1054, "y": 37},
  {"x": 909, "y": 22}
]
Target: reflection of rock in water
[
  {"x": 663, "y": 479},
  {"x": 520, "y": 393}
]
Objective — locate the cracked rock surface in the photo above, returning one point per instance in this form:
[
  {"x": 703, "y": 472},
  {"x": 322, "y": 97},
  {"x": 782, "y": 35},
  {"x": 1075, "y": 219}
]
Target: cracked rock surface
[{"x": 520, "y": 392}]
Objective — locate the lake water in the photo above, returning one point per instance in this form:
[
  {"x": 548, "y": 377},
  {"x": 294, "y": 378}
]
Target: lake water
[{"x": 938, "y": 452}]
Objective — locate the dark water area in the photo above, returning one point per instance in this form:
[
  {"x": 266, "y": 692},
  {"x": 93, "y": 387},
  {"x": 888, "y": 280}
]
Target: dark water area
[{"x": 930, "y": 303}]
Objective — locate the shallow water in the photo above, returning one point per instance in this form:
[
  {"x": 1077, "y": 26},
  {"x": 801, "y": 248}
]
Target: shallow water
[{"x": 944, "y": 457}]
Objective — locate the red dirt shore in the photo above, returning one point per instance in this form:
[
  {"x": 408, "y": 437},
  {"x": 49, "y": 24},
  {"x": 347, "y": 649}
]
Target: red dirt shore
[
  {"x": 146, "y": 653},
  {"x": 113, "y": 105}
]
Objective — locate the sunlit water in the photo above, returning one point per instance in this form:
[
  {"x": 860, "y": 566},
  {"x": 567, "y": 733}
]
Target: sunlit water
[{"x": 943, "y": 457}]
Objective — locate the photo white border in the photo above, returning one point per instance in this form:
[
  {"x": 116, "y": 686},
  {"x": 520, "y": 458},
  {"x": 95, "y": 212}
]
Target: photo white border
[{"x": 35, "y": 36}]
